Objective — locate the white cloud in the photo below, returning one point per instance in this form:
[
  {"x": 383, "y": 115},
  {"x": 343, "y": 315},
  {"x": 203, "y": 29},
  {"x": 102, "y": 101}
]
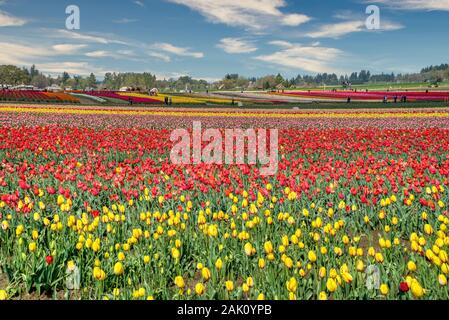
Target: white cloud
[
  {"x": 236, "y": 45},
  {"x": 120, "y": 54},
  {"x": 66, "y": 34},
  {"x": 179, "y": 51},
  {"x": 294, "y": 20},
  {"x": 7, "y": 20},
  {"x": 308, "y": 58},
  {"x": 74, "y": 68},
  {"x": 126, "y": 52},
  {"x": 28, "y": 54},
  {"x": 140, "y": 3},
  {"x": 280, "y": 43},
  {"x": 125, "y": 21},
  {"x": 22, "y": 53},
  {"x": 159, "y": 56},
  {"x": 251, "y": 14},
  {"x": 68, "y": 48},
  {"x": 98, "y": 54},
  {"x": 429, "y": 5},
  {"x": 339, "y": 29}
]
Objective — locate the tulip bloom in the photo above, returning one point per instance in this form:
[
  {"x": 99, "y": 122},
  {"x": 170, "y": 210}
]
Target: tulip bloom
[
  {"x": 331, "y": 285},
  {"x": 49, "y": 260},
  {"x": 416, "y": 289},
  {"x": 199, "y": 289},
  {"x": 179, "y": 282},
  {"x": 229, "y": 285},
  {"x": 292, "y": 285},
  {"x": 118, "y": 269},
  {"x": 384, "y": 289},
  {"x": 404, "y": 287}
]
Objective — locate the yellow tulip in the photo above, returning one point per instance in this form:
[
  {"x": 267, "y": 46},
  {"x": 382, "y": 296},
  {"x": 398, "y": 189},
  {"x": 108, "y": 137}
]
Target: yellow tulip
[
  {"x": 292, "y": 285},
  {"x": 199, "y": 289},
  {"x": 312, "y": 256},
  {"x": 322, "y": 296},
  {"x": 32, "y": 247},
  {"x": 219, "y": 264},
  {"x": 248, "y": 249},
  {"x": 206, "y": 274},
  {"x": 331, "y": 285},
  {"x": 384, "y": 289},
  {"x": 322, "y": 272},
  {"x": 416, "y": 289},
  {"x": 411, "y": 266},
  {"x": 347, "y": 277},
  {"x": 118, "y": 269},
  {"x": 268, "y": 246},
  {"x": 3, "y": 295},
  {"x": 179, "y": 282},
  {"x": 229, "y": 285},
  {"x": 442, "y": 279}
]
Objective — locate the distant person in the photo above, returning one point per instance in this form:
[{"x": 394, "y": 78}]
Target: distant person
[
  {"x": 166, "y": 100},
  {"x": 349, "y": 100},
  {"x": 233, "y": 101},
  {"x": 385, "y": 99},
  {"x": 395, "y": 99},
  {"x": 130, "y": 101},
  {"x": 170, "y": 101}
]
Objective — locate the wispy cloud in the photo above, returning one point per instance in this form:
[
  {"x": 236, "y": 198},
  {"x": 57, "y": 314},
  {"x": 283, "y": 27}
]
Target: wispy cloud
[
  {"x": 179, "y": 51},
  {"x": 424, "y": 5},
  {"x": 299, "y": 57},
  {"x": 66, "y": 34},
  {"x": 337, "y": 30},
  {"x": 72, "y": 67},
  {"x": 159, "y": 56},
  {"x": 99, "y": 54},
  {"x": 251, "y": 14},
  {"x": 125, "y": 21},
  {"x": 8, "y": 20},
  {"x": 350, "y": 22},
  {"x": 119, "y": 54},
  {"x": 139, "y": 3},
  {"x": 236, "y": 45},
  {"x": 68, "y": 48},
  {"x": 27, "y": 54}
]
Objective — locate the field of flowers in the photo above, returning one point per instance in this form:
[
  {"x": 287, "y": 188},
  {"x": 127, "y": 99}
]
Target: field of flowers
[
  {"x": 37, "y": 96},
  {"x": 91, "y": 206},
  {"x": 371, "y": 95}
]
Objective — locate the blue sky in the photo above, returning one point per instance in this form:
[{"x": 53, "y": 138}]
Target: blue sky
[{"x": 209, "y": 38}]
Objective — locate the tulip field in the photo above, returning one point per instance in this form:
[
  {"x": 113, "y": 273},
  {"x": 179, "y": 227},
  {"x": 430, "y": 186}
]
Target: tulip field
[{"x": 91, "y": 206}]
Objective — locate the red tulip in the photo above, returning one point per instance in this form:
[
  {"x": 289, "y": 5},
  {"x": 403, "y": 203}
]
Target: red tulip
[{"x": 403, "y": 287}]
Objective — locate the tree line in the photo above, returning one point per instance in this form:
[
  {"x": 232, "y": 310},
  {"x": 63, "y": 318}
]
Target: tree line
[{"x": 13, "y": 75}]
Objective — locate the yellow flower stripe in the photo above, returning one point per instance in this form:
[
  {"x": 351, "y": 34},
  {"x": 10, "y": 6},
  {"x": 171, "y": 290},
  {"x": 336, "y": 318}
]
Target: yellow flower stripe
[{"x": 230, "y": 114}]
